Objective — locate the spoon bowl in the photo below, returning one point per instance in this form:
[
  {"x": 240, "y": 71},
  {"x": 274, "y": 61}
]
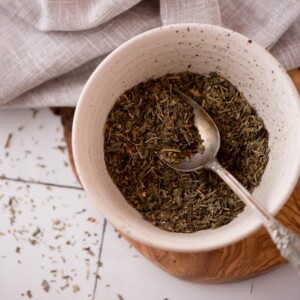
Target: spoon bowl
[{"x": 209, "y": 134}]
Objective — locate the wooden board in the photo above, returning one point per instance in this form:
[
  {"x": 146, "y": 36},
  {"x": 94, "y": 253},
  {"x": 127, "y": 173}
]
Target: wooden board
[{"x": 252, "y": 256}]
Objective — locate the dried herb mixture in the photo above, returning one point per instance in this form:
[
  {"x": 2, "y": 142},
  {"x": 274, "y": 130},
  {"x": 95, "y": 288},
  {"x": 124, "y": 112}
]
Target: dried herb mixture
[{"x": 150, "y": 119}]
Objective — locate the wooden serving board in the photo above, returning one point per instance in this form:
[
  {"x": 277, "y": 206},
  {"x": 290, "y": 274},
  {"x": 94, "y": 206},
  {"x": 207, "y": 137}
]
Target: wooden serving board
[{"x": 250, "y": 257}]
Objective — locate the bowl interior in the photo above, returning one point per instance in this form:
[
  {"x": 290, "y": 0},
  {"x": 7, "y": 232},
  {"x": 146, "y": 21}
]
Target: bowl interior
[{"x": 202, "y": 49}]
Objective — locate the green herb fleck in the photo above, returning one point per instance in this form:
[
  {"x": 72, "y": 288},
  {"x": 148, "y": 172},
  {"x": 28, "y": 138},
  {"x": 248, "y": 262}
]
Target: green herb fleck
[{"x": 45, "y": 286}]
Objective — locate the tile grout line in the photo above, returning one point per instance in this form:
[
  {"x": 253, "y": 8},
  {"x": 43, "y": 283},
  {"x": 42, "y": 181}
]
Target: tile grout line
[
  {"x": 99, "y": 258},
  {"x": 2, "y": 177}
]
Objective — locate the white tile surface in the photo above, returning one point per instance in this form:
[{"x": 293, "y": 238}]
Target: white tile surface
[
  {"x": 62, "y": 217},
  {"x": 129, "y": 274},
  {"x": 37, "y": 149},
  {"x": 71, "y": 225}
]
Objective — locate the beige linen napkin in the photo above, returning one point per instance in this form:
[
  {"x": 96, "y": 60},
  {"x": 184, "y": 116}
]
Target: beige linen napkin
[{"x": 50, "y": 47}]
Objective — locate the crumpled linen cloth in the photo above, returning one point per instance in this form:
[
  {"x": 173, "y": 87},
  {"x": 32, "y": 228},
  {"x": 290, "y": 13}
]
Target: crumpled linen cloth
[{"x": 49, "y": 48}]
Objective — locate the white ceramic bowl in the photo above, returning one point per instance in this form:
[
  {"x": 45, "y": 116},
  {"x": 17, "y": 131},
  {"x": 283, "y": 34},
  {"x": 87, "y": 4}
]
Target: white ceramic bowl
[{"x": 202, "y": 49}]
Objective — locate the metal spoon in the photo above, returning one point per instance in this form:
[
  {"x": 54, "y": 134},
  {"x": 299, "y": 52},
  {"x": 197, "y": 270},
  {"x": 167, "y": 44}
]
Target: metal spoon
[{"x": 286, "y": 241}]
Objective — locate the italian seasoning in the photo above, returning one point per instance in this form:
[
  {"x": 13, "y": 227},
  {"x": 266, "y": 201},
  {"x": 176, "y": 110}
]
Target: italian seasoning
[{"x": 149, "y": 123}]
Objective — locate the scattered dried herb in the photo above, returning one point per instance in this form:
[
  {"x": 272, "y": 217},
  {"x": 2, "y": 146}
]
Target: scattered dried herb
[
  {"x": 11, "y": 204},
  {"x": 62, "y": 149},
  {"x": 99, "y": 264},
  {"x": 45, "y": 286},
  {"x": 91, "y": 219},
  {"x": 7, "y": 143},
  {"x": 89, "y": 251},
  {"x": 29, "y": 294},
  {"x": 34, "y": 112},
  {"x": 76, "y": 288},
  {"x": 36, "y": 232},
  {"x": 148, "y": 118},
  {"x": 32, "y": 242},
  {"x": 120, "y": 297},
  {"x": 28, "y": 230}
]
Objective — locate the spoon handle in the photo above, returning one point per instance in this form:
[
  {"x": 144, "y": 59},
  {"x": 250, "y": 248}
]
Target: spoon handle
[{"x": 286, "y": 241}]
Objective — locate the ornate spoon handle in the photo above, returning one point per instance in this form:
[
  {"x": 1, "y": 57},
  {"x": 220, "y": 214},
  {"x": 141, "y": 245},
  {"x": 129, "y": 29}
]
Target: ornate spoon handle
[{"x": 286, "y": 241}]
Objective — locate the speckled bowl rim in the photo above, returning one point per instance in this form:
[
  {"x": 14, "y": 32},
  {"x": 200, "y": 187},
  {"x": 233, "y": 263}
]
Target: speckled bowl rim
[{"x": 83, "y": 172}]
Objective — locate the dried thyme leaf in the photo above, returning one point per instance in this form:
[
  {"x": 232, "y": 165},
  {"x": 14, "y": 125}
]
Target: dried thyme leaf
[
  {"x": 76, "y": 288},
  {"x": 29, "y": 294},
  {"x": 89, "y": 251},
  {"x": 12, "y": 211},
  {"x": 99, "y": 264},
  {"x": 32, "y": 242},
  {"x": 7, "y": 143},
  {"x": 45, "y": 286},
  {"x": 62, "y": 149},
  {"x": 34, "y": 112},
  {"x": 36, "y": 232}
]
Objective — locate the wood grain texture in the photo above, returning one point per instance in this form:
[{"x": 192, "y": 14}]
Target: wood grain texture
[{"x": 252, "y": 256}]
